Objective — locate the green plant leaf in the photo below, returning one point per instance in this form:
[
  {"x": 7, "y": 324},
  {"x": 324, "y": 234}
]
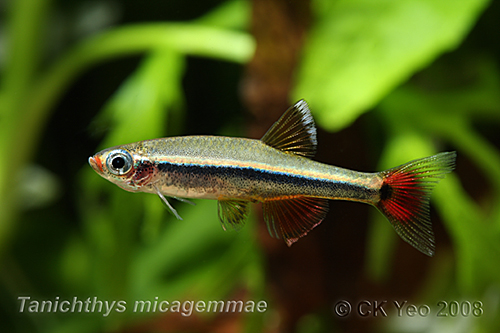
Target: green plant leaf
[
  {"x": 140, "y": 107},
  {"x": 361, "y": 49}
]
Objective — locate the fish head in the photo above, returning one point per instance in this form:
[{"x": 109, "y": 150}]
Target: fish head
[{"x": 122, "y": 167}]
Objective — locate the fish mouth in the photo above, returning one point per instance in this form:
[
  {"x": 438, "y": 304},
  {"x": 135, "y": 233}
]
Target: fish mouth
[{"x": 95, "y": 163}]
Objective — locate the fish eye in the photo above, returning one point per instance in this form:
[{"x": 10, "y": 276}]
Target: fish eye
[{"x": 119, "y": 162}]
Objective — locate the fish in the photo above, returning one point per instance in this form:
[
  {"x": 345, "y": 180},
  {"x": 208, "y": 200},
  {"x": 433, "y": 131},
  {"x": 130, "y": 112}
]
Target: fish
[{"x": 277, "y": 171}]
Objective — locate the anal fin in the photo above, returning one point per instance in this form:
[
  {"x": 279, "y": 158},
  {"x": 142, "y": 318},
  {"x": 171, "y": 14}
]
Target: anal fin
[
  {"x": 293, "y": 218},
  {"x": 232, "y": 213}
]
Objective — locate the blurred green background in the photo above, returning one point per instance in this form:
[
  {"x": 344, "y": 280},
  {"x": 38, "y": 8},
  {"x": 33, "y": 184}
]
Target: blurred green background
[{"x": 387, "y": 81}]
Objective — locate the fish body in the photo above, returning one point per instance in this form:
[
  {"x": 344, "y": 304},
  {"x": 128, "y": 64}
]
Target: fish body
[
  {"x": 277, "y": 171},
  {"x": 214, "y": 167}
]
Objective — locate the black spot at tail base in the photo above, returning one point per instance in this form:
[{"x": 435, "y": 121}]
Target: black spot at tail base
[{"x": 386, "y": 192}]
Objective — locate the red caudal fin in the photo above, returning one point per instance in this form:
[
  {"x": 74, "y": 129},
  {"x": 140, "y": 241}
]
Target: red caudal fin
[{"x": 404, "y": 197}]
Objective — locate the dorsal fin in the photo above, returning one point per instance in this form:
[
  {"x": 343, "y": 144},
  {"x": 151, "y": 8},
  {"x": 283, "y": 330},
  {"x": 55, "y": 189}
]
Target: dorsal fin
[{"x": 294, "y": 132}]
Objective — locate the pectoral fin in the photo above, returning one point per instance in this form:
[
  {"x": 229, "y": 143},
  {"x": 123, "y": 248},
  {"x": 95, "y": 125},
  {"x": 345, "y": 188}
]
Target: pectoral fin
[
  {"x": 232, "y": 213},
  {"x": 293, "y": 218},
  {"x": 167, "y": 204},
  {"x": 185, "y": 201}
]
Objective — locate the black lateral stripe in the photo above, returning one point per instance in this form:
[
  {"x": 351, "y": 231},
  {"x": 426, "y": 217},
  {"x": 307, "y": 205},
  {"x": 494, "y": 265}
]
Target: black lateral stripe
[{"x": 253, "y": 174}]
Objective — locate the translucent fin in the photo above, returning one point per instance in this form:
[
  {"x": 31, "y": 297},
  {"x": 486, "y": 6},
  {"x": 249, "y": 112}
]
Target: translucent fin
[
  {"x": 185, "y": 201},
  {"x": 232, "y": 213},
  {"x": 291, "y": 219},
  {"x": 167, "y": 204},
  {"x": 294, "y": 132},
  {"x": 405, "y": 194}
]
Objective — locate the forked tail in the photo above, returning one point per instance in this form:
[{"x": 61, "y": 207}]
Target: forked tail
[{"x": 404, "y": 197}]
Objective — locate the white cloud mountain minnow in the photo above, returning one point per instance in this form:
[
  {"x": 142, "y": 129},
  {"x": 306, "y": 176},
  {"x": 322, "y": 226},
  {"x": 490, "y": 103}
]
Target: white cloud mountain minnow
[{"x": 276, "y": 171}]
